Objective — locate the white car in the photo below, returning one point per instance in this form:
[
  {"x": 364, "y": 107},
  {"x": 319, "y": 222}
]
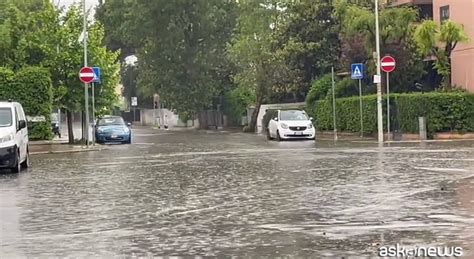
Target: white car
[
  {"x": 13, "y": 137},
  {"x": 291, "y": 124}
]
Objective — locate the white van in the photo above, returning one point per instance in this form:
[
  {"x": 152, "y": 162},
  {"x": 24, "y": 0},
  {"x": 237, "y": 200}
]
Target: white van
[{"x": 13, "y": 137}]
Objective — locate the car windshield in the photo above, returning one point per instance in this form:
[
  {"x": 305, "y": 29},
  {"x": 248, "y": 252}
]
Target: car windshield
[
  {"x": 111, "y": 121},
  {"x": 293, "y": 116},
  {"x": 5, "y": 117}
]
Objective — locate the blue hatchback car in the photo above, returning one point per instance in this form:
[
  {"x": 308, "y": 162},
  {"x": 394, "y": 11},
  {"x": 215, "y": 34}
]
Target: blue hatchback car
[{"x": 113, "y": 129}]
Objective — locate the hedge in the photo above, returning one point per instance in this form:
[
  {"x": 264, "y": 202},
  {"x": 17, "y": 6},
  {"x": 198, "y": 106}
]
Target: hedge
[
  {"x": 444, "y": 112},
  {"x": 30, "y": 86}
]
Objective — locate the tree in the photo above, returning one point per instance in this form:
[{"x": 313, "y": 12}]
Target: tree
[
  {"x": 440, "y": 41},
  {"x": 396, "y": 38},
  {"x": 36, "y": 33},
  {"x": 180, "y": 47},
  {"x": 309, "y": 41},
  {"x": 113, "y": 15},
  {"x": 253, "y": 51}
]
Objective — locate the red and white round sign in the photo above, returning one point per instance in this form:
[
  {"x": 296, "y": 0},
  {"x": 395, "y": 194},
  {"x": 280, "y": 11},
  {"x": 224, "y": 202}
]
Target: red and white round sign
[
  {"x": 86, "y": 75},
  {"x": 387, "y": 64}
]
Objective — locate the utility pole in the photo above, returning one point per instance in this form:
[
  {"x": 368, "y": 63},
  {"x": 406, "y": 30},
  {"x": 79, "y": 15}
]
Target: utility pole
[
  {"x": 86, "y": 86},
  {"x": 377, "y": 78},
  {"x": 334, "y": 104}
]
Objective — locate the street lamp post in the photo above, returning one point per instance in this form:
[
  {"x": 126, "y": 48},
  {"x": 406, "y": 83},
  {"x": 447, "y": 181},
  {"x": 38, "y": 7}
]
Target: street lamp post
[
  {"x": 378, "y": 76},
  {"x": 86, "y": 88}
]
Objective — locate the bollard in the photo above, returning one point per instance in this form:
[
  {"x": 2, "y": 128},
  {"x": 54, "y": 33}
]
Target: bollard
[{"x": 422, "y": 126}]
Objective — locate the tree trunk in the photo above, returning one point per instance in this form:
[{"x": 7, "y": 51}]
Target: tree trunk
[
  {"x": 448, "y": 77},
  {"x": 253, "y": 119},
  {"x": 70, "y": 131}
]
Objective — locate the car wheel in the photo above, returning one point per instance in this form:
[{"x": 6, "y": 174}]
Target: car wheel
[
  {"x": 269, "y": 137},
  {"x": 27, "y": 162},
  {"x": 278, "y": 138},
  {"x": 17, "y": 167}
]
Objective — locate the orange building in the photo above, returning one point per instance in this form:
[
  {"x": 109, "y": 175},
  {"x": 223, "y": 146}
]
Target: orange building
[{"x": 460, "y": 11}]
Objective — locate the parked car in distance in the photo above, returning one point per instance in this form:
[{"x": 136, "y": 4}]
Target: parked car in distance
[
  {"x": 14, "y": 152},
  {"x": 112, "y": 129},
  {"x": 291, "y": 124}
]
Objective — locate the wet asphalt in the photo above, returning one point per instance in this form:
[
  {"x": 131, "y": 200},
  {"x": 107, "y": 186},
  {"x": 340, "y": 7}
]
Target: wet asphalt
[{"x": 233, "y": 194}]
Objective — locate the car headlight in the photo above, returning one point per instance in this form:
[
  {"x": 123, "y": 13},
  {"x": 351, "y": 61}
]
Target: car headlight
[
  {"x": 310, "y": 126},
  {"x": 284, "y": 126},
  {"x": 6, "y": 138},
  {"x": 99, "y": 130},
  {"x": 56, "y": 125},
  {"x": 126, "y": 130}
]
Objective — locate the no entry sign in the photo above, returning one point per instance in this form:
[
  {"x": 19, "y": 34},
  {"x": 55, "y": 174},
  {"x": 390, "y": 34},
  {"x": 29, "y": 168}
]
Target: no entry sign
[
  {"x": 387, "y": 64},
  {"x": 86, "y": 75}
]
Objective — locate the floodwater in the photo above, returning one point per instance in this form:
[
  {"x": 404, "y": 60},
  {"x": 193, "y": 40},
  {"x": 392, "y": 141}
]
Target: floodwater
[{"x": 232, "y": 194}]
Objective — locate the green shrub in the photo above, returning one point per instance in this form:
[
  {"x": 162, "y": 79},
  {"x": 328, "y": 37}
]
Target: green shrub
[
  {"x": 7, "y": 77},
  {"x": 346, "y": 87},
  {"x": 30, "y": 86},
  {"x": 319, "y": 89},
  {"x": 235, "y": 104},
  {"x": 443, "y": 112}
]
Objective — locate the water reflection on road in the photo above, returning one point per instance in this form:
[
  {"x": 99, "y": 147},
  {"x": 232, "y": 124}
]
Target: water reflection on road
[{"x": 181, "y": 193}]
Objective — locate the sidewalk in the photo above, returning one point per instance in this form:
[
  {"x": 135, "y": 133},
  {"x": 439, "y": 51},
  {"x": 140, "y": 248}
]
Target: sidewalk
[{"x": 38, "y": 149}]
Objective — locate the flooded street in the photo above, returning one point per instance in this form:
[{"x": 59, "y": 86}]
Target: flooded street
[{"x": 233, "y": 194}]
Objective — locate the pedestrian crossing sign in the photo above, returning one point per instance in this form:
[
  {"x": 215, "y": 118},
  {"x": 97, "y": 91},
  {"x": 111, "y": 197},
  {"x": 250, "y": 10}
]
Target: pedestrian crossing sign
[{"x": 357, "y": 71}]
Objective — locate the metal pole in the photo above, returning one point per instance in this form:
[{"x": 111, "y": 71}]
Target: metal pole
[
  {"x": 334, "y": 104},
  {"x": 59, "y": 121},
  {"x": 93, "y": 112},
  {"x": 360, "y": 110},
  {"x": 134, "y": 111},
  {"x": 86, "y": 89},
  {"x": 388, "y": 106},
  {"x": 379, "y": 85}
]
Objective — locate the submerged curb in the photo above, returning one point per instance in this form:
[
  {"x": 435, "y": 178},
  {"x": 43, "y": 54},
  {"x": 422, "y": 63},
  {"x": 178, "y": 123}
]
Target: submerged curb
[
  {"x": 65, "y": 151},
  {"x": 415, "y": 141}
]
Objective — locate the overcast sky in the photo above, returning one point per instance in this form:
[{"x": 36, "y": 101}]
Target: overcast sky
[{"x": 89, "y": 3}]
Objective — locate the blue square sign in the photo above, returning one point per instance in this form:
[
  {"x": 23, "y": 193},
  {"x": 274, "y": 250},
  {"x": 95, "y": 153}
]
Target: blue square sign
[
  {"x": 357, "y": 71},
  {"x": 96, "y": 74}
]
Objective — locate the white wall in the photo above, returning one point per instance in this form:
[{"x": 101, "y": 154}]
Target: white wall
[{"x": 147, "y": 116}]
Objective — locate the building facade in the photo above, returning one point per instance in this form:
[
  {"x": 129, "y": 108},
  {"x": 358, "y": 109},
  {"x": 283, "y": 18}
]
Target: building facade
[{"x": 459, "y": 11}]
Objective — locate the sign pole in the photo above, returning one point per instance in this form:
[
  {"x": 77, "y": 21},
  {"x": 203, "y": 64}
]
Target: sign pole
[
  {"x": 388, "y": 107},
  {"x": 93, "y": 112},
  {"x": 334, "y": 104},
  {"x": 388, "y": 64},
  {"x": 360, "y": 110}
]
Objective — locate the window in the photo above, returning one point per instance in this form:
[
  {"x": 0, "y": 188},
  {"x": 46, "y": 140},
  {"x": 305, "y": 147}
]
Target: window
[
  {"x": 5, "y": 117},
  {"x": 111, "y": 121},
  {"x": 444, "y": 13},
  {"x": 293, "y": 115}
]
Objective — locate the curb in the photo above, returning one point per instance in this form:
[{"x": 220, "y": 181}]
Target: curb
[
  {"x": 33, "y": 143},
  {"x": 64, "y": 151},
  {"x": 414, "y": 141}
]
